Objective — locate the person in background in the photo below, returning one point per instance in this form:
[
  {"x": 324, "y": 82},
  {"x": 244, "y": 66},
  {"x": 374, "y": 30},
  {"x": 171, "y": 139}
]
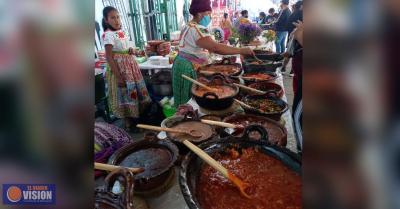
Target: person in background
[
  {"x": 262, "y": 20},
  {"x": 226, "y": 26},
  {"x": 294, "y": 17},
  {"x": 243, "y": 19},
  {"x": 297, "y": 64},
  {"x": 235, "y": 17},
  {"x": 271, "y": 18},
  {"x": 195, "y": 44},
  {"x": 281, "y": 26},
  {"x": 127, "y": 91}
]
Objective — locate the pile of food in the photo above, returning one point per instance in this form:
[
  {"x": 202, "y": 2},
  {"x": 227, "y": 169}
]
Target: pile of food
[
  {"x": 265, "y": 105},
  {"x": 271, "y": 183}
]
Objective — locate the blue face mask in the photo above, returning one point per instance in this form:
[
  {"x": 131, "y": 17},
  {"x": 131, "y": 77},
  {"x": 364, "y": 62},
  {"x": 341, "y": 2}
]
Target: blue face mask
[{"x": 205, "y": 21}]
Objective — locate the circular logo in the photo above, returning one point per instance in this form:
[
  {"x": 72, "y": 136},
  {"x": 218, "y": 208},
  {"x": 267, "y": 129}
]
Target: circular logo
[{"x": 14, "y": 194}]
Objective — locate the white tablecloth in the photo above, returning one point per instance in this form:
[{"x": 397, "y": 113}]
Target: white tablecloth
[{"x": 147, "y": 66}]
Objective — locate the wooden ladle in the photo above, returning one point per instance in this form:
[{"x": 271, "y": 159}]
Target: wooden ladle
[
  {"x": 222, "y": 124},
  {"x": 193, "y": 133},
  {"x": 108, "y": 167},
  {"x": 243, "y": 104},
  {"x": 200, "y": 84},
  {"x": 250, "y": 89},
  {"x": 257, "y": 59},
  {"x": 216, "y": 165},
  {"x": 236, "y": 128}
]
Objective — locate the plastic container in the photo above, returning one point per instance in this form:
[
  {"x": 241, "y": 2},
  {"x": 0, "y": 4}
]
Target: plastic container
[{"x": 169, "y": 110}]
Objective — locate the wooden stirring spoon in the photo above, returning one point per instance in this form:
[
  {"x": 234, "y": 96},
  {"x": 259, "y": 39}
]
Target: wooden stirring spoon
[
  {"x": 200, "y": 84},
  {"x": 250, "y": 89},
  {"x": 232, "y": 127},
  {"x": 219, "y": 123},
  {"x": 193, "y": 133},
  {"x": 243, "y": 104},
  {"x": 242, "y": 186},
  {"x": 108, "y": 167}
]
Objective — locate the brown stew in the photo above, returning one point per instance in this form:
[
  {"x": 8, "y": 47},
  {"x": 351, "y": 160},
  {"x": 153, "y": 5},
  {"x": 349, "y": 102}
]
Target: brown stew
[
  {"x": 272, "y": 184},
  {"x": 221, "y": 91},
  {"x": 205, "y": 130}
]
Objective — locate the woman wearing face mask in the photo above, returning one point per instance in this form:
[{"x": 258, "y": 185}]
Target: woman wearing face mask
[{"x": 194, "y": 45}]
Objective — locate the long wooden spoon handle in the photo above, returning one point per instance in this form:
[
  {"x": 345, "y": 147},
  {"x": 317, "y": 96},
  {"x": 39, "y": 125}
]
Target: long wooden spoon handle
[
  {"x": 198, "y": 83},
  {"x": 249, "y": 88},
  {"x": 209, "y": 160},
  {"x": 218, "y": 123},
  {"x": 108, "y": 167},
  {"x": 243, "y": 104},
  {"x": 157, "y": 128}
]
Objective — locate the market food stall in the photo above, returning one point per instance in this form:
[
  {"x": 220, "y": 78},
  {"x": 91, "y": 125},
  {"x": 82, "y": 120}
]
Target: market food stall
[{"x": 167, "y": 184}]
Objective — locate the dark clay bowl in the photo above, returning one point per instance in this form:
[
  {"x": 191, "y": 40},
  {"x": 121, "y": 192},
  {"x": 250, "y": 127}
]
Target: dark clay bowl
[
  {"x": 191, "y": 164},
  {"x": 272, "y": 115},
  {"x": 248, "y": 81},
  {"x": 249, "y": 66},
  {"x": 207, "y": 70},
  {"x": 210, "y": 100},
  {"x": 267, "y": 87},
  {"x": 277, "y": 134},
  {"x": 267, "y": 56},
  {"x": 157, "y": 157}
]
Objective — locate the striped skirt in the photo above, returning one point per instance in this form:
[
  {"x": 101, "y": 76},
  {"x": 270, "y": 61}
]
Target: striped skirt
[{"x": 129, "y": 101}]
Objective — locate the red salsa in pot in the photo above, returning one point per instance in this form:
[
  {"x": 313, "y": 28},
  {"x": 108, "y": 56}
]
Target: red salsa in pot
[
  {"x": 272, "y": 184},
  {"x": 220, "y": 91}
]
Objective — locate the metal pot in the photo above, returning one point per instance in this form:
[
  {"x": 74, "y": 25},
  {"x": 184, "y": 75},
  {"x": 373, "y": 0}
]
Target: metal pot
[
  {"x": 157, "y": 157},
  {"x": 249, "y": 66},
  {"x": 161, "y": 83},
  {"x": 162, "y": 89},
  {"x": 210, "y": 100},
  {"x": 192, "y": 164}
]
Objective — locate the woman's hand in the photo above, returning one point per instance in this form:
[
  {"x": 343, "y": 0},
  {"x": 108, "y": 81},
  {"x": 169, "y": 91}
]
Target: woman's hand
[
  {"x": 131, "y": 51},
  {"x": 247, "y": 51}
]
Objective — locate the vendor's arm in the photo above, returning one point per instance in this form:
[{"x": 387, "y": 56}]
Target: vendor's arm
[
  {"x": 298, "y": 32},
  {"x": 212, "y": 46}
]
